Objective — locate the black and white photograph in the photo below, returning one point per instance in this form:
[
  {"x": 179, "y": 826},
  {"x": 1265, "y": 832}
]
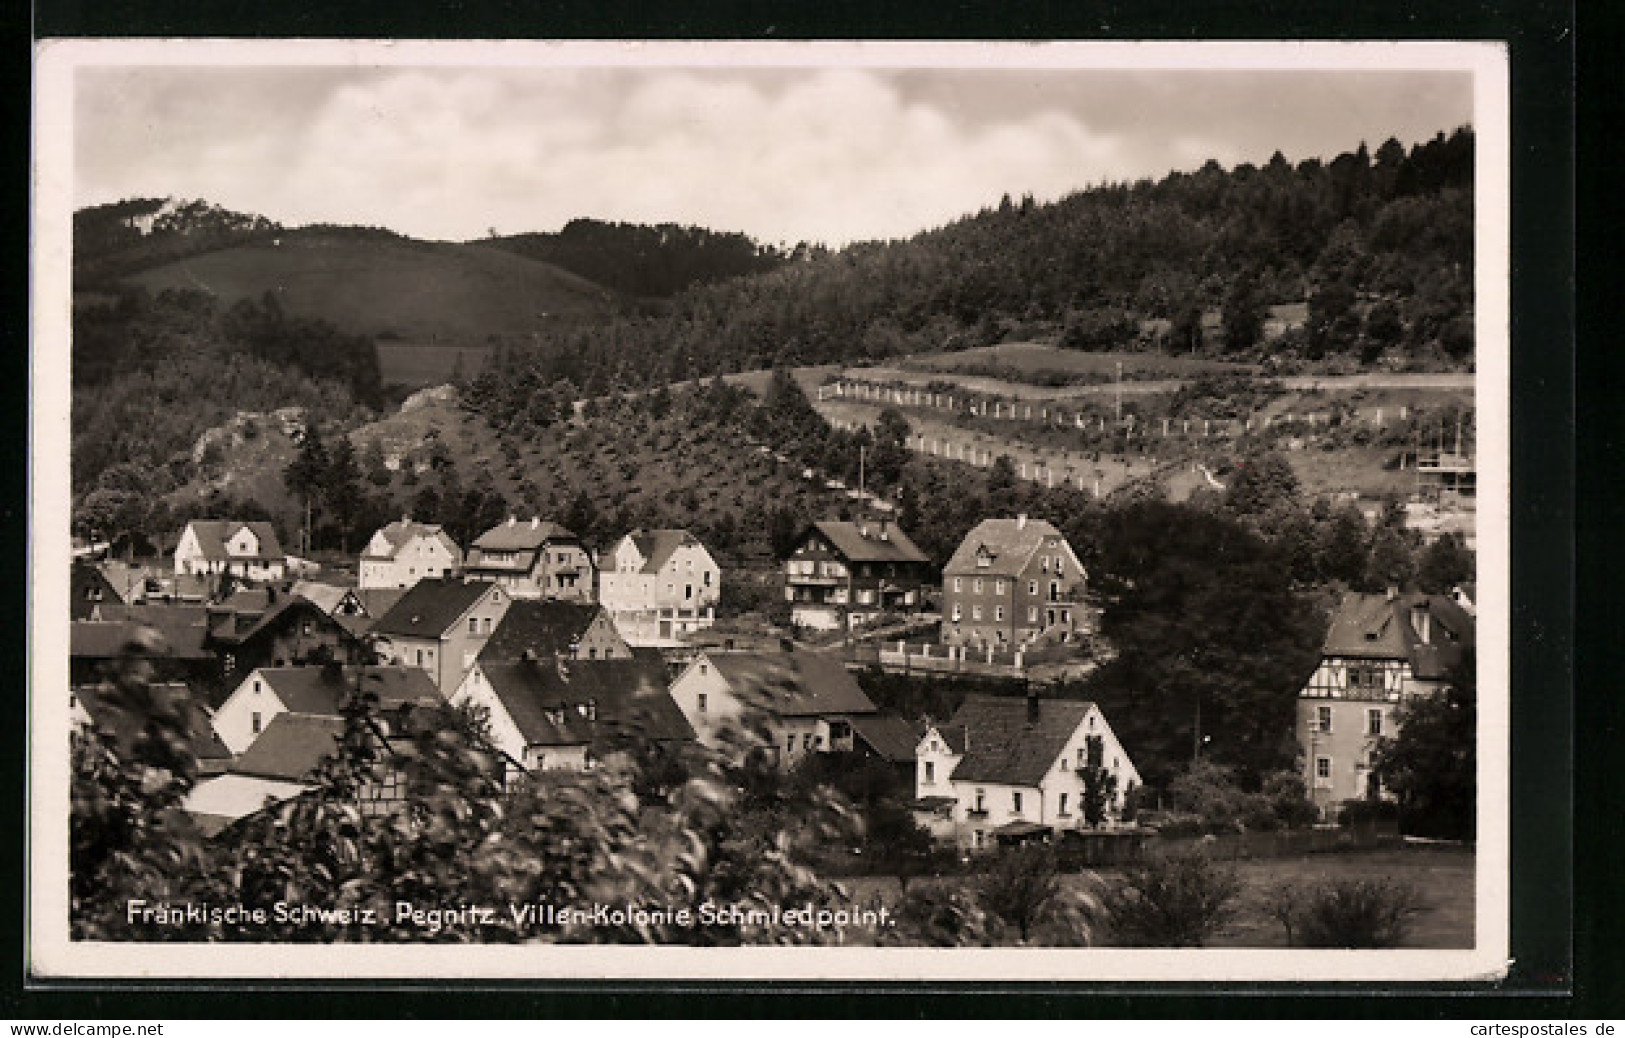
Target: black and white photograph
[{"x": 970, "y": 511}]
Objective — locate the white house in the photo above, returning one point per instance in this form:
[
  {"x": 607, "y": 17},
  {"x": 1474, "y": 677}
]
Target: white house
[
  {"x": 248, "y": 551},
  {"x": 659, "y": 585},
  {"x": 807, "y": 700},
  {"x": 269, "y": 692},
  {"x": 403, "y": 553},
  {"x": 276, "y": 768},
  {"x": 1007, "y": 768}
]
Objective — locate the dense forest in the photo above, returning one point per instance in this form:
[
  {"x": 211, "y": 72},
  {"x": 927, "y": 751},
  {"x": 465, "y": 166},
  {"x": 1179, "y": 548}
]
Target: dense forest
[
  {"x": 1379, "y": 247},
  {"x": 152, "y": 373},
  {"x": 643, "y": 261}
]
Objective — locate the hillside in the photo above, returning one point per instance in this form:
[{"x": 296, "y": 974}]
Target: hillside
[
  {"x": 639, "y": 260},
  {"x": 393, "y": 288}
]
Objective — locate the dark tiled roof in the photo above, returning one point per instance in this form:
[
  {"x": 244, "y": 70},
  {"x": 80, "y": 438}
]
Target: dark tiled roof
[
  {"x": 870, "y": 541},
  {"x": 290, "y": 747},
  {"x": 1010, "y": 542},
  {"x": 181, "y": 629},
  {"x": 430, "y": 607},
  {"x": 522, "y": 536},
  {"x": 238, "y": 628},
  {"x": 322, "y": 690},
  {"x": 111, "y": 712},
  {"x": 657, "y": 546},
  {"x": 546, "y": 700},
  {"x": 793, "y": 684},
  {"x": 213, "y": 534},
  {"x": 543, "y": 627},
  {"x": 379, "y": 600},
  {"x": 1004, "y": 746},
  {"x": 1371, "y": 626},
  {"x": 892, "y": 738}
]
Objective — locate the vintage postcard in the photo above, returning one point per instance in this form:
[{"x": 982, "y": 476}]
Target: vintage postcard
[{"x": 882, "y": 511}]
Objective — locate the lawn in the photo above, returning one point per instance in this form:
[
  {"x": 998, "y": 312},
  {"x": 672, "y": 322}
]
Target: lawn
[
  {"x": 1033, "y": 359},
  {"x": 1443, "y": 875},
  {"x": 424, "y": 364}
]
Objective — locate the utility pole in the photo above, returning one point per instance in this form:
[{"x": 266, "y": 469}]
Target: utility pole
[
  {"x": 861, "y": 450},
  {"x": 1119, "y": 393}
]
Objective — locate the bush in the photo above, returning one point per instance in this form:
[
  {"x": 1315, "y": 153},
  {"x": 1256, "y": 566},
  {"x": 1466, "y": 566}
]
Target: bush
[
  {"x": 1347, "y": 913},
  {"x": 1175, "y": 902}
]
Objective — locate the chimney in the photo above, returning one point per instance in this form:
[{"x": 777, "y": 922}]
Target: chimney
[
  {"x": 406, "y": 518},
  {"x": 1032, "y": 706},
  {"x": 1021, "y": 520},
  {"x": 1393, "y": 592},
  {"x": 535, "y": 521},
  {"x": 512, "y": 520},
  {"x": 528, "y": 656}
]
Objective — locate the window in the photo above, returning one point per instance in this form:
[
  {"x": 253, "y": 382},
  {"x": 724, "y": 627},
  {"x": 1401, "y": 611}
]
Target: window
[
  {"x": 998, "y": 587},
  {"x": 420, "y": 657},
  {"x": 592, "y": 653},
  {"x": 930, "y": 772},
  {"x": 473, "y": 625},
  {"x": 256, "y": 685},
  {"x": 976, "y": 612},
  {"x": 977, "y": 585},
  {"x": 981, "y": 794},
  {"x": 1323, "y": 718},
  {"x": 1032, "y": 587},
  {"x": 1032, "y": 614},
  {"x": 688, "y": 591},
  {"x": 959, "y": 583},
  {"x": 1323, "y": 772},
  {"x": 254, "y": 722},
  {"x": 485, "y": 625},
  {"x": 959, "y": 612},
  {"x": 998, "y": 612},
  {"x": 977, "y": 837},
  {"x": 699, "y": 702},
  {"x": 1365, "y": 677},
  {"x": 790, "y": 743},
  {"x": 806, "y": 740},
  {"x": 707, "y": 578},
  {"x": 1060, "y": 804},
  {"x": 1373, "y": 722},
  {"x": 1015, "y": 802},
  {"x": 1060, "y": 566}
]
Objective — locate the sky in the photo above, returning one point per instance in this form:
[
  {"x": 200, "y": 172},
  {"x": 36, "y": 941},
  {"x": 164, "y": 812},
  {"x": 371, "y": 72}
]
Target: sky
[{"x": 822, "y": 153}]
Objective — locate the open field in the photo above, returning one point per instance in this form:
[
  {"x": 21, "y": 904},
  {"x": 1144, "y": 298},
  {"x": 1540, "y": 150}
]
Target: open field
[
  {"x": 1035, "y": 359},
  {"x": 371, "y": 285},
  {"x": 1442, "y": 874},
  {"x": 425, "y": 364}
]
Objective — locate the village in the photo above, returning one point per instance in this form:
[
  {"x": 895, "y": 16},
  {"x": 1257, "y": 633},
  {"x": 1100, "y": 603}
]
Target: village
[{"x": 563, "y": 651}]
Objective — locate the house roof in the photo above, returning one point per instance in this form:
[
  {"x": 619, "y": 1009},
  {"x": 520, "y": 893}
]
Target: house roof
[
  {"x": 547, "y": 698},
  {"x": 539, "y": 626},
  {"x": 1372, "y": 626},
  {"x": 522, "y": 536},
  {"x": 325, "y": 597},
  {"x": 870, "y": 541},
  {"x": 1004, "y": 746},
  {"x": 183, "y": 630},
  {"x": 793, "y": 684},
  {"x": 111, "y": 712},
  {"x": 401, "y": 532},
  {"x": 236, "y": 628},
  {"x": 379, "y": 600},
  {"x": 658, "y": 546},
  {"x": 212, "y": 535},
  {"x": 290, "y": 747},
  {"x": 431, "y": 606},
  {"x": 893, "y": 738},
  {"x": 1011, "y": 543},
  {"x": 322, "y": 690}
]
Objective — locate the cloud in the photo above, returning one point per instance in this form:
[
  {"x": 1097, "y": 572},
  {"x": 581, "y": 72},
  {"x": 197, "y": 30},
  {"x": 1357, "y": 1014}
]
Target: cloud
[{"x": 827, "y": 155}]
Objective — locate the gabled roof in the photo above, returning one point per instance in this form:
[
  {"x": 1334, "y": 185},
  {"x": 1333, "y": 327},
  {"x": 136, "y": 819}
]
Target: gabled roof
[
  {"x": 1003, "y": 745},
  {"x": 540, "y": 626},
  {"x": 952, "y": 734},
  {"x": 892, "y": 738},
  {"x": 212, "y": 535},
  {"x": 323, "y": 690},
  {"x": 548, "y": 700},
  {"x": 401, "y": 532},
  {"x": 290, "y": 747},
  {"x": 111, "y": 712},
  {"x": 522, "y": 536},
  {"x": 658, "y": 546},
  {"x": 325, "y": 597},
  {"x": 793, "y": 684},
  {"x": 379, "y": 600},
  {"x": 1009, "y": 543},
  {"x": 869, "y": 541},
  {"x": 1372, "y": 626},
  {"x": 238, "y": 628},
  {"x": 430, "y": 607}
]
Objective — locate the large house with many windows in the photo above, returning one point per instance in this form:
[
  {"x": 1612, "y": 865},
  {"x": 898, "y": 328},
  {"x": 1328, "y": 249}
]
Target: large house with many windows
[
  {"x": 1379, "y": 651},
  {"x": 403, "y": 553},
  {"x": 441, "y": 625},
  {"x": 660, "y": 585},
  {"x": 841, "y": 574},
  {"x": 533, "y": 559},
  {"x": 1012, "y": 582}
]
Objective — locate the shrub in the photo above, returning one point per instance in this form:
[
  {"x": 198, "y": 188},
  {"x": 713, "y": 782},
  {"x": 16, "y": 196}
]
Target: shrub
[
  {"x": 1347, "y": 913},
  {"x": 1174, "y": 902}
]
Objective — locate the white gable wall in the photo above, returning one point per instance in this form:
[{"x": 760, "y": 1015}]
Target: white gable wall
[{"x": 234, "y": 721}]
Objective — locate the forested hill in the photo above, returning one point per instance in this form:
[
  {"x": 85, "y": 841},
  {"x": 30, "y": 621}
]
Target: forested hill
[
  {"x": 644, "y": 261},
  {"x": 1379, "y": 245}
]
